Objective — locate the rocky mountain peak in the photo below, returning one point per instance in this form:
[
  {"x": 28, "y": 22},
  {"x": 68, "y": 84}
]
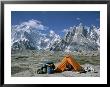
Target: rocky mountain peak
[{"x": 28, "y": 35}]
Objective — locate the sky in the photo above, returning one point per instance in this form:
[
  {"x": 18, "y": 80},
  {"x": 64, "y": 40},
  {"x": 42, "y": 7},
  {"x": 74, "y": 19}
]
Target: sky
[{"x": 57, "y": 20}]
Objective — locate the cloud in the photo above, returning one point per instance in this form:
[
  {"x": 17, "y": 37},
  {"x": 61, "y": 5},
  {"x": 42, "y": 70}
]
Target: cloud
[
  {"x": 78, "y": 18},
  {"x": 34, "y": 24},
  {"x": 30, "y": 24}
]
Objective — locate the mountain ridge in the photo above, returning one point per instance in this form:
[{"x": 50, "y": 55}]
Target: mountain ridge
[{"x": 77, "y": 38}]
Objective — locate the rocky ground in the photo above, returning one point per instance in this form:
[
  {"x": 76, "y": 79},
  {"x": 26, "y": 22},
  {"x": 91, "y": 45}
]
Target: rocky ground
[
  {"x": 29, "y": 73},
  {"x": 27, "y": 64}
]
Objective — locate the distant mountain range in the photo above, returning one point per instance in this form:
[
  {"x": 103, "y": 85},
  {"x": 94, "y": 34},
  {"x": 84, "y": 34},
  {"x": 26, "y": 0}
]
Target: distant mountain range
[{"x": 76, "y": 38}]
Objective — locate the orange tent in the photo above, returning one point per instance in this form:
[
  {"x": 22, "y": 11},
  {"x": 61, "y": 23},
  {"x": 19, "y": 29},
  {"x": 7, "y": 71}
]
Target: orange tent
[{"x": 68, "y": 59}]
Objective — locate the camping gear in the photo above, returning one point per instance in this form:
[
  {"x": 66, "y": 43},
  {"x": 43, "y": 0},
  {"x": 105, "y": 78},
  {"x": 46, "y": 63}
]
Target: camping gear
[
  {"x": 68, "y": 59},
  {"x": 50, "y": 70},
  {"x": 89, "y": 68},
  {"x": 48, "y": 67},
  {"x": 44, "y": 68},
  {"x": 68, "y": 67}
]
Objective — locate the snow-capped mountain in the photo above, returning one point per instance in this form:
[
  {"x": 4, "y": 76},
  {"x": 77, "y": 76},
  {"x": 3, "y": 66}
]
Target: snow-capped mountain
[
  {"x": 81, "y": 38},
  {"x": 49, "y": 40},
  {"x": 29, "y": 35},
  {"x": 23, "y": 35}
]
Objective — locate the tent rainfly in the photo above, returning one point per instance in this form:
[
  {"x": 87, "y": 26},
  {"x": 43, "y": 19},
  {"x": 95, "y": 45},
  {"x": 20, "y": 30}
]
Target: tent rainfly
[{"x": 68, "y": 59}]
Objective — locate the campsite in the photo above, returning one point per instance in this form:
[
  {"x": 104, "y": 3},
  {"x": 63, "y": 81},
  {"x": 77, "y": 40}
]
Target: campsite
[
  {"x": 42, "y": 47},
  {"x": 26, "y": 64}
]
